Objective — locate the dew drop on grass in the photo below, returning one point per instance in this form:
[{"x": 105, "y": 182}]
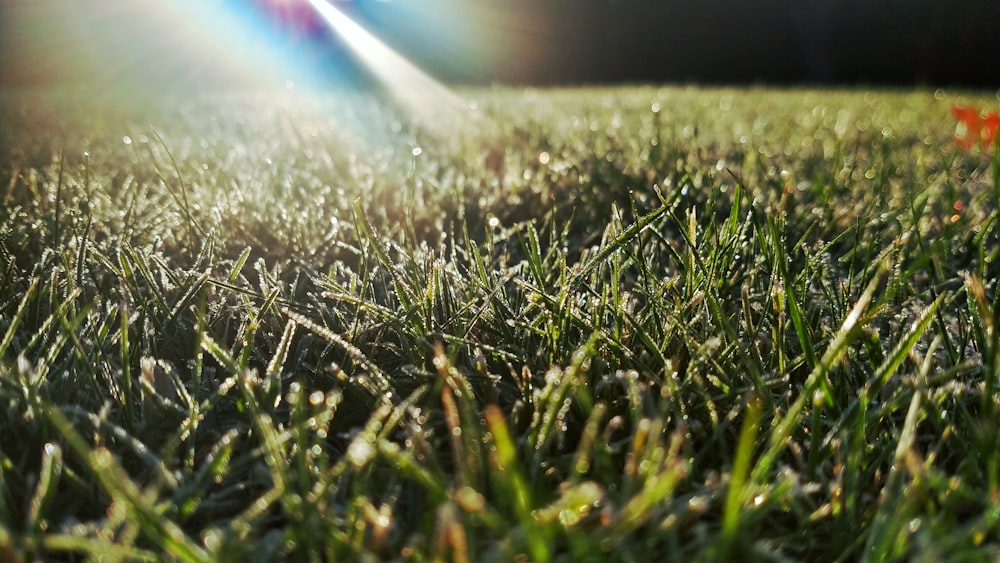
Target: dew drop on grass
[
  {"x": 127, "y": 140},
  {"x": 211, "y": 539},
  {"x": 360, "y": 452},
  {"x": 698, "y": 503}
]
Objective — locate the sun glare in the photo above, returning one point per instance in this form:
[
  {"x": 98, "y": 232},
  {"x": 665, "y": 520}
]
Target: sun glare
[
  {"x": 135, "y": 50},
  {"x": 424, "y": 99}
]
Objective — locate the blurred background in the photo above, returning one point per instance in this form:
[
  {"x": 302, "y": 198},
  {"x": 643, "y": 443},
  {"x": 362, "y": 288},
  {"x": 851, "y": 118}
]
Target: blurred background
[{"x": 150, "y": 46}]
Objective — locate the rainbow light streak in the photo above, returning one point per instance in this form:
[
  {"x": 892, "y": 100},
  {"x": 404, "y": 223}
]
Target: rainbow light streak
[{"x": 424, "y": 99}]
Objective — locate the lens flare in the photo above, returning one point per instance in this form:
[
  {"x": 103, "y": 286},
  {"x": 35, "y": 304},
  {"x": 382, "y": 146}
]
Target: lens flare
[
  {"x": 424, "y": 99},
  {"x": 130, "y": 50}
]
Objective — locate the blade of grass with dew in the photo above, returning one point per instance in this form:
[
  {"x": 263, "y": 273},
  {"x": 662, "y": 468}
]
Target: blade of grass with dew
[
  {"x": 902, "y": 349},
  {"x": 894, "y": 503},
  {"x": 49, "y": 474},
  {"x": 657, "y": 488},
  {"x": 739, "y": 489},
  {"x": 216, "y": 465},
  {"x": 560, "y": 385},
  {"x": 22, "y": 308},
  {"x": 381, "y": 382},
  {"x": 74, "y": 545},
  {"x": 116, "y": 482},
  {"x": 834, "y": 352},
  {"x": 182, "y": 199},
  {"x": 626, "y": 235},
  {"x": 988, "y": 318},
  {"x": 457, "y": 401},
  {"x": 794, "y": 309},
  {"x": 255, "y": 318},
  {"x": 507, "y": 473}
]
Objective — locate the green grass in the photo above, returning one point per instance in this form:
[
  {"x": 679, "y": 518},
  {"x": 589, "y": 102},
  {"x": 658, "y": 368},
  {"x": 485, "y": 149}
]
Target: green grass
[{"x": 628, "y": 324}]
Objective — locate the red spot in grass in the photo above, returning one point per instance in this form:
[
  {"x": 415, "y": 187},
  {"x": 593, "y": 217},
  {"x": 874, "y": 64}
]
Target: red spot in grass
[{"x": 975, "y": 127}]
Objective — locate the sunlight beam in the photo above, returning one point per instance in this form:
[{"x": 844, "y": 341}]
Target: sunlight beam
[{"x": 424, "y": 99}]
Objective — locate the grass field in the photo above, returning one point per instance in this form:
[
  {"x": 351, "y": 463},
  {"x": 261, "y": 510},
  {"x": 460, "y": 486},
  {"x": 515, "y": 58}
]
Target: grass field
[{"x": 631, "y": 324}]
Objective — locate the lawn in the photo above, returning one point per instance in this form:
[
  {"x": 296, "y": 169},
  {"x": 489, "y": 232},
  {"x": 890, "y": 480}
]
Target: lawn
[{"x": 632, "y": 324}]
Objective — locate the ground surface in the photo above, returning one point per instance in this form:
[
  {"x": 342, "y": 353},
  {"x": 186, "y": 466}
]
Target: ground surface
[{"x": 629, "y": 324}]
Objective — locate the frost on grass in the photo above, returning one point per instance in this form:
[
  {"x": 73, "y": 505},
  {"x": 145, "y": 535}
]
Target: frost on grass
[{"x": 621, "y": 323}]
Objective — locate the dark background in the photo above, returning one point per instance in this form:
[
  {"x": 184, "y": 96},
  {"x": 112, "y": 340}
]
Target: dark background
[
  {"x": 141, "y": 43},
  {"x": 944, "y": 42}
]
